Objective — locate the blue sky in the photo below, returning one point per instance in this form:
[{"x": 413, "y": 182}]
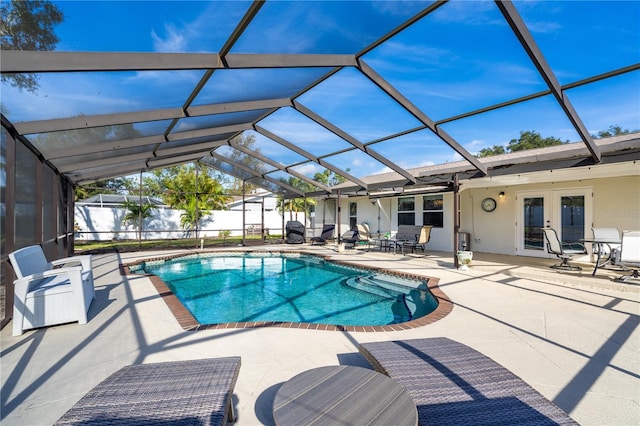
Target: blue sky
[{"x": 460, "y": 58}]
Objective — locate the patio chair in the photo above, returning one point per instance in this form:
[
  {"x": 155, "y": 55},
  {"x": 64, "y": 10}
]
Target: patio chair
[
  {"x": 563, "y": 251},
  {"x": 325, "y": 235},
  {"x": 413, "y": 237},
  {"x": 356, "y": 236},
  {"x": 44, "y": 295},
  {"x": 630, "y": 254},
  {"x": 453, "y": 384},
  {"x": 196, "y": 392},
  {"x": 608, "y": 250}
]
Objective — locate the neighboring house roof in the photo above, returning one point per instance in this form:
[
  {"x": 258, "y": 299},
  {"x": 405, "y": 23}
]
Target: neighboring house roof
[
  {"x": 268, "y": 198},
  {"x": 110, "y": 200}
]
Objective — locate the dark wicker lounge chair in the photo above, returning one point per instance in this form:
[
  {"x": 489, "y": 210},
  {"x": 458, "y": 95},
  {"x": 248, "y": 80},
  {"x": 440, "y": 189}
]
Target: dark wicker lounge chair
[
  {"x": 181, "y": 392},
  {"x": 453, "y": 384}
]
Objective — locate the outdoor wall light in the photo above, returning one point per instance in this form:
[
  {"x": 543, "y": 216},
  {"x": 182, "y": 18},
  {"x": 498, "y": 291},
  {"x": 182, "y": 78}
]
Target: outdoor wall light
[{"x": 501, "y": 194}]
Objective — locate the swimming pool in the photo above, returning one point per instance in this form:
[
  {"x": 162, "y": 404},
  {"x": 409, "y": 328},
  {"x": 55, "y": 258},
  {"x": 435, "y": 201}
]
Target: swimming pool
[{"x": 240, "y": 287}]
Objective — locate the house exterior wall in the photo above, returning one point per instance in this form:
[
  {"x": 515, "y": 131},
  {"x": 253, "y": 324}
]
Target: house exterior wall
[
  {"x": 615, "y": 203},
  {"x": 441, "y": 238}
]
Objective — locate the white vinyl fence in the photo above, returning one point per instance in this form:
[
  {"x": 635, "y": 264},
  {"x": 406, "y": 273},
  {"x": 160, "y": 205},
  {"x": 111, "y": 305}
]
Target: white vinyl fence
[{"x": 105, "y": 223}]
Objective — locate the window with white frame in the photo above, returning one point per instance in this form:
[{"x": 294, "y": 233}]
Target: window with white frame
[
  {"x": 353, "y": 215},
  {"x": 433, "y": 210},
  {"x": 406, "y": 211}
]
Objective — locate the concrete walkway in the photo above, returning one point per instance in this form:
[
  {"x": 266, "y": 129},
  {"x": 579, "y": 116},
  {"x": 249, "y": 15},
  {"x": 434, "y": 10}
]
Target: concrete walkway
[{"x": 573, "y": 337}]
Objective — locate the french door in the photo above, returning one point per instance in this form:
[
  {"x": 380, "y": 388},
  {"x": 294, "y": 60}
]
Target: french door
[{"x": 568, "y": 211}]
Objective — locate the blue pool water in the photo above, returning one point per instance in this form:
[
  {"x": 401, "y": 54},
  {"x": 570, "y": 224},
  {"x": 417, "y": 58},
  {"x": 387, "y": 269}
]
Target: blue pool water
[{"x": 289, "y": 288}]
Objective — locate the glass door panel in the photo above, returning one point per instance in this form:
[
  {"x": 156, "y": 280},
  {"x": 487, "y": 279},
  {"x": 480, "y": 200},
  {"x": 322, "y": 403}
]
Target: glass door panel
[
  {"x": 533, "y": 220},
  {"x": 533, "y": 215},
  {"x": 572, "y": 220},
  {"x": 568, "y": 211}
]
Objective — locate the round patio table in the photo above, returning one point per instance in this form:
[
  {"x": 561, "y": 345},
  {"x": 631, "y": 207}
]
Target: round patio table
[
  {"x": 343, "y": 395},
  {"x": 598, "y": 243}
]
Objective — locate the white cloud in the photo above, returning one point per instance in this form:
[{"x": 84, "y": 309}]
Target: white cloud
[
  {"x": 382, "y": 171},
  {"x": 174, "y": 40},
  {"x": 309, "y": 169},
  {"x": 543, "y": 27},
  {"x": 468, "y": 13},
  {"x": 456, "y": 157},
  {"x": 475, "y": 145}
]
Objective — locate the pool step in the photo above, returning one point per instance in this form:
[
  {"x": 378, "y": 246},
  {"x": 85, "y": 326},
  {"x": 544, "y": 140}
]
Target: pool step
[
  {"x": 385, "y": 286},
  {"x": 382, "y": 285}
]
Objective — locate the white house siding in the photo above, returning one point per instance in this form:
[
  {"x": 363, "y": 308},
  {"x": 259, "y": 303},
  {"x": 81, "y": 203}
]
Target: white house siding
[
  {"x": 441, "y": 238},
  {"x": 96, "y": 223},
  {"x": 615, "y": 203}
]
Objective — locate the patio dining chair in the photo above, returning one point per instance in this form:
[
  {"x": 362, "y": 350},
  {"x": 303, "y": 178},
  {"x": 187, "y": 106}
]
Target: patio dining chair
[
  {"x": 630, "y": 254},
  {"x": 563, "y": 251},
  {"x": 608, "y": 250},
  {"x": 413, "y": 237}
]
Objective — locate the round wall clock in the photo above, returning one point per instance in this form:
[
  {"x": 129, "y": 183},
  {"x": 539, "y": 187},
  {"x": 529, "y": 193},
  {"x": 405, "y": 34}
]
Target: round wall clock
[{"x": 488, "y": 204}]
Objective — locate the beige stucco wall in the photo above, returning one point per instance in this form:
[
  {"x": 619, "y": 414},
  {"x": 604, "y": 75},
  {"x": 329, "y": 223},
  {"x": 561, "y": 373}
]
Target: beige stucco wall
[
  {"x": 490, "y": 232},
  {"x": 615, "y": 203}
]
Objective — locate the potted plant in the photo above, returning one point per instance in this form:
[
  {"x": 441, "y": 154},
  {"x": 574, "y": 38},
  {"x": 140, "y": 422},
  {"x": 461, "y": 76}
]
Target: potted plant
[{"x": 464, "y": 259}]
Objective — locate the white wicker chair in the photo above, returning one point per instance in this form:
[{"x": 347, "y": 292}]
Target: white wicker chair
[{"x": 44, "y": 295}]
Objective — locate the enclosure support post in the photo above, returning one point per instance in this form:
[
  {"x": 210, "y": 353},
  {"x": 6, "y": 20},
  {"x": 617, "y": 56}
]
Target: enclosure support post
[
  {"x": 244, "y": 213},
  {"x": 456, "y": 218},
  {"x": 338, "y": 217},
  {"x": 264, "y": 234},
  {"x": 282, "y": 219},
  {"x": 140, "y": 212},
  {"x": 197, "y": 209}
]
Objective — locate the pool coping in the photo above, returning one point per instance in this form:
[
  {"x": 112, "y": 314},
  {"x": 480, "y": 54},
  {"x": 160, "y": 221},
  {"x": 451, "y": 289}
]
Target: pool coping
[{"x": 188, "y": 322}]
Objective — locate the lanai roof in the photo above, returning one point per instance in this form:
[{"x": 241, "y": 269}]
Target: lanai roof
[{"x": 411, "y": 89}]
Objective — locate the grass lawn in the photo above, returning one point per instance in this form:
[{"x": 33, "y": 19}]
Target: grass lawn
[{"x": 121, "y": 246}]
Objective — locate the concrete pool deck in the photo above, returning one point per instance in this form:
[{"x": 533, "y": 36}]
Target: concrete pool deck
[{"x": 571, "y": 336}]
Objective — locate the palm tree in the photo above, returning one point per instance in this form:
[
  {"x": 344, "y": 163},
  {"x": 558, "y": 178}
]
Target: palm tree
[
  {"x": 136, "y": 214},
  {"x": 193, "y": 211}
]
